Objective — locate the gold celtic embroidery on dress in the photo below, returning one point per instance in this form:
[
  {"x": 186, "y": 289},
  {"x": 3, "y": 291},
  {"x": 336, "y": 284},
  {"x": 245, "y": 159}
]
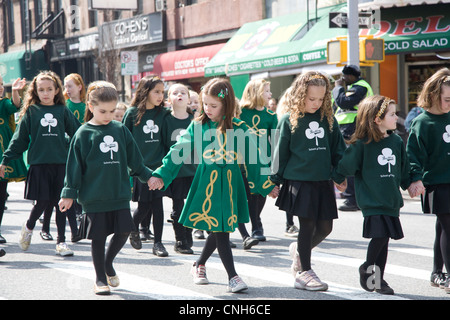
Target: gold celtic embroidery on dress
[
  {"x": 221, "y": 154},
  {"x": 254, "y": 129},
  {"x": 233, "y": 218},
  {"x": 268, "y": 183},
  {"x": 206, "y": 207}
]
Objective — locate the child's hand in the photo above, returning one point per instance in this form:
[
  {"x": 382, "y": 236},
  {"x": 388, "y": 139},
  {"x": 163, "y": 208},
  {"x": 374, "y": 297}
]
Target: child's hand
[
  {"x": 2, "y": 170},
  {"x": 341, "y": 187},
  {"x": 275, "y": 192},
  {"x": 65, "y": 204},
  {"x": 155, "y": 183},
  {"x": 19, "y": 84},
  {"x": 416, "y": 188}
]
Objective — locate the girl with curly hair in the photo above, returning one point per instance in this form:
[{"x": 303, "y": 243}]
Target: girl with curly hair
[{"x": 310, "y": 145}]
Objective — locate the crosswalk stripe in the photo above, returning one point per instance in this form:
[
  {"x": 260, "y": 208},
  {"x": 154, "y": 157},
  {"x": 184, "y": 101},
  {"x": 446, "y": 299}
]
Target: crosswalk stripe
[{"x": 135, "y": 284}]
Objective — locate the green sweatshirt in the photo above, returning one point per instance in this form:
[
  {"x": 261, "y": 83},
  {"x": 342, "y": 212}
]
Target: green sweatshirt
[
  {"x": 428, "y": 148},
  {"x": 78, "y": 109},
  {"x": 310, "y": 152},
  {"x": 173, "y": 130},
  {"x": 42, "y": 131},
  {"x": 148, "y": 134},
  {"x": 97, "y": 167},
  {"x": 380, "y": 169}
]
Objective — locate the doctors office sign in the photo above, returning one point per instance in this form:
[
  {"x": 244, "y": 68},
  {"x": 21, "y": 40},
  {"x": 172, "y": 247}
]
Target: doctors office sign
[{"x": 136, "y": 31}]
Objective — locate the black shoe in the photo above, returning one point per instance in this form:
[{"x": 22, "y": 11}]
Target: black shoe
[
  {"x": 159, "y": 250},
  {"x": 2, "y": 240},
  {"x": 258, "y": 234},
  {"x": 249, "y": 242},
  {"x": 182, "y": 247},
  {"x": 2, "y": 252},
  {"x": 364, "y": 278},
  {"x": 46, "y": 236},
  {"x": 438, "y": 279},
  {"x": 348, "y": 206},
  {"x": 76, "y": 238},
  {"x": 384, "y": 288},
  {"x": 135, "y": 241}
]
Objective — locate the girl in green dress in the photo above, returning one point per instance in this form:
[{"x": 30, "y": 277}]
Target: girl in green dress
[
  {"x": 217, "y": 200},
  {"x": 16, "y": 170}
]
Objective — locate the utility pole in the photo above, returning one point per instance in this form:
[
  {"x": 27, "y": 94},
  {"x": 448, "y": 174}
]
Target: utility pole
[{"x": 353, "y": 33}]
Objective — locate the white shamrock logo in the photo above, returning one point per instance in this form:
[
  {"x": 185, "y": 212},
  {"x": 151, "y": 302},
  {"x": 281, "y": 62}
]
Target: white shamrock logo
[
  {"x": 151, "y": 127},
  {"x": 446, "y": 135},
  {"x": 109, "y": 145},
  {"x": 314, "y": 131},
  {"x": 49, "y": 121},
  {"x": 386, "y": 157}
]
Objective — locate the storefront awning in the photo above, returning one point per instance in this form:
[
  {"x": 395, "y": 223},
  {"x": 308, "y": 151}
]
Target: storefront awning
[
  {"x": 13, "y": 65},
  {"x": 183, "y": 64},
  {"x": 277, "y": 43}
]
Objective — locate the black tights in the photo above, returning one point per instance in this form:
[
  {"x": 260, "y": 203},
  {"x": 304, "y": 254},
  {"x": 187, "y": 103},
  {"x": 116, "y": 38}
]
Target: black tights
[
  {"x": 37, "y": 211},
  {"x": 444, "y": 220},
  {"x": 377, "y": 253},
  {"x": 103, "y": 264},
  {"x": 146, "y": 208},
  {"x": 312, "y": 232},
  {"x": 221, "y": 241}
]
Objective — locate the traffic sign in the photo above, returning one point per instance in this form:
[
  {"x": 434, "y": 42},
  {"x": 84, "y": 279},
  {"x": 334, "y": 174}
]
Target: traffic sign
[
  {"x": 129, "y": 63},
  {"x": 340, "y": 20}
]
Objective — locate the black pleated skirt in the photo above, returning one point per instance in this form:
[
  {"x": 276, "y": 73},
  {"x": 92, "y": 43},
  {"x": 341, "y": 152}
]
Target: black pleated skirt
[
  {"x": 436, "y": 199},
  {"x": 99, "y": 225},
  {"x": 382, "y": 226},
  {"x": 308, "y": 199},
  {"x": 45, "y": 182}
]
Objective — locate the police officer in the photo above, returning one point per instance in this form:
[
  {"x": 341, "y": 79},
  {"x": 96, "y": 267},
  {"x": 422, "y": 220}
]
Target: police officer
[{"x": 347, "y": 101}]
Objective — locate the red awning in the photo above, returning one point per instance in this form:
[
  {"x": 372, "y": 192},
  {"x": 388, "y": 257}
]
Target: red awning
[{"x": 183, "y": 64}]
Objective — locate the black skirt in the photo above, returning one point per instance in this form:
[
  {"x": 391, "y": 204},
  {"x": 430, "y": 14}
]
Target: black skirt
[
  {"x": 382, "y": 226},
  {"x": 436, "y": 199},
  {"x": 45, "y": 182},
  {"x": 179, "y": 188},
  {"x": 99, "y": 225},
  {"x": 141, "y": 193},
  {"x": 308, "y": 199}
]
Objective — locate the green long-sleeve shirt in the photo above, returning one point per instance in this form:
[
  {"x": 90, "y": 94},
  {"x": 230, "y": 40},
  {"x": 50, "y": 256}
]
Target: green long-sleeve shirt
[
  {"x": 380, "y": 169},
  {"x": 42, "y": 131},
  {"x": 310, "y": 152},
  {"x": 97, "y": 167},
  {"x": 428, "y": 148}
]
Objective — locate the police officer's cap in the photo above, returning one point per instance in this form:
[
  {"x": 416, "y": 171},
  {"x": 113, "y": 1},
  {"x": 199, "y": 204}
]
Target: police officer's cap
[{"x": 351, "y": 69}]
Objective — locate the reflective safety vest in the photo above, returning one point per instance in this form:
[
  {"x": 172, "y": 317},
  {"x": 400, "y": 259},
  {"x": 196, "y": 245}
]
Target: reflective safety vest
[{"x": 348, "y": 116}]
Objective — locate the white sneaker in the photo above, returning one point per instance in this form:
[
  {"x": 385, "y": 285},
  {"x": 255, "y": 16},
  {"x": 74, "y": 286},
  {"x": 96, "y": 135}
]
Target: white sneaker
[
  {"x": 63, "y": 249},
  {"x": 25, "y": 237},
  {"x": 296, "y": 266},
  {"x": 236, "y": 285},
  {"x": 199, "y": 274},
  {"x": 308, "y": 280}
]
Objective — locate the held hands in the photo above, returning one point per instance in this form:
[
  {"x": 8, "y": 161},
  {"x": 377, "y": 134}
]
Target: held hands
[
  {"x": 416, "y": 188},
  {"x": 275, "y": 192},
  {"x": 155, "y": 183},
  {"x": 65, "y": 204},
  {"x": 2, "y": 171},
  {"x": 341, "y": 187}
]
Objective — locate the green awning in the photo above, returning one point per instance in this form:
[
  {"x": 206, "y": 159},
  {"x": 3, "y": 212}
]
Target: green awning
[
  {"x": 274, "y": 44},
  {"x": 13, "y": 65}
]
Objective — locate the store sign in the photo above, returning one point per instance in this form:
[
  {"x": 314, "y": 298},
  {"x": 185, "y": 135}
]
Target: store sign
[
  {"x": 136, "y": 31},
  {"x": 417, "y": 29}
]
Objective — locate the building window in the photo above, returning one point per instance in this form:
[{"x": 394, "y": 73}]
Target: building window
[
  {"x": 11, "y": 24},
  {"x": 93, "y": 16}
]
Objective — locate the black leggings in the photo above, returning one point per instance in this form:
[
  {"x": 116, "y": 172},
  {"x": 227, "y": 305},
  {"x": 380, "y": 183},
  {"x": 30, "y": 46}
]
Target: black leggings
[
  {"x": 312, "y": 232},
  {"x": 103, "y": 264},
  {"x": 37, "y": 211},
  {"x": 444, "y": 220},
  {"x": 221, "y": 241},
  {"x": 146, "y": 208},
  {"x": 377, "y": 253},
  {"x": 3, "y": 196}
]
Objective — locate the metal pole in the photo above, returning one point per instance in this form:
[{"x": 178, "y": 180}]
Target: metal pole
[{"x": 353, "y": 33}]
